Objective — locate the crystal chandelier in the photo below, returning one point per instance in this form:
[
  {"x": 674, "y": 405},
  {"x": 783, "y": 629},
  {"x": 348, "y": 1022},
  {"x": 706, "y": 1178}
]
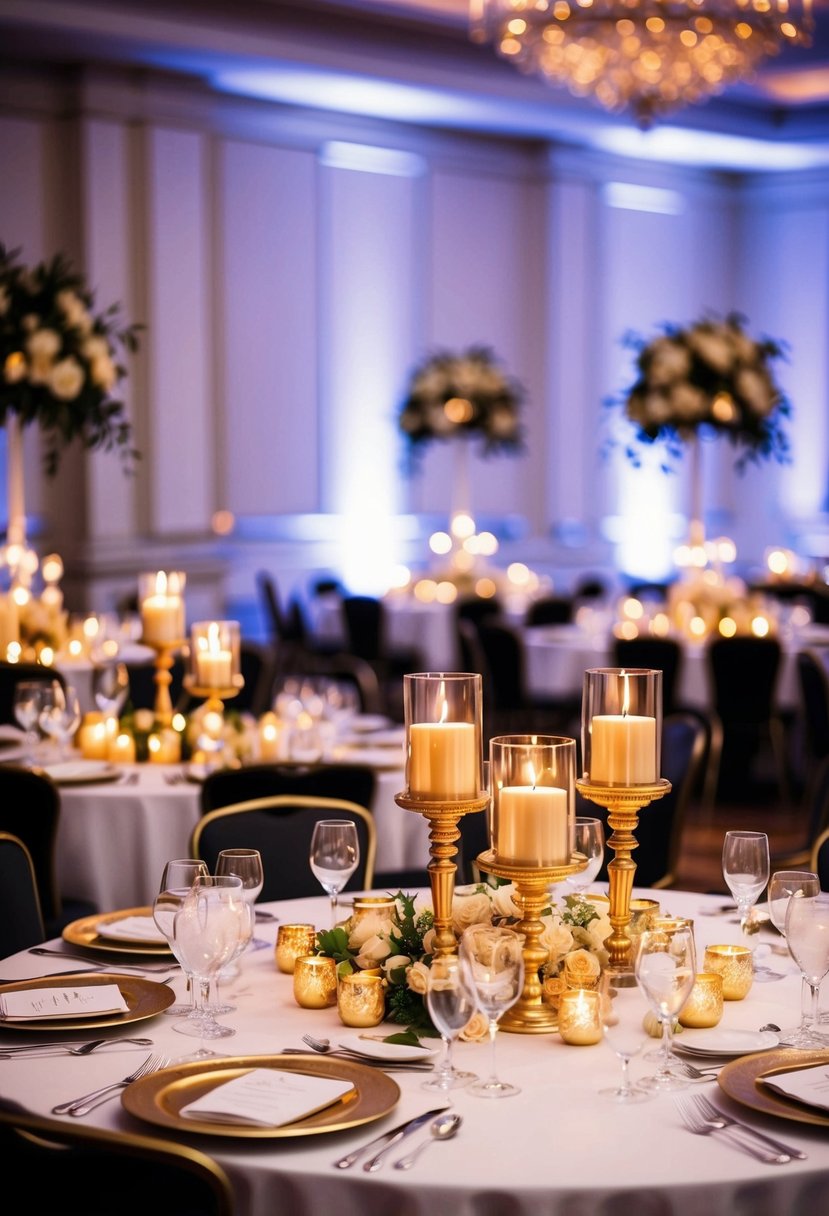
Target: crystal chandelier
[{"x": 648, "y": 56}]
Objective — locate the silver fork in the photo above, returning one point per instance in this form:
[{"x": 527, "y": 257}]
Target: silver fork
[
  {"x": 691, "y": 1071},
  {"x": 695, "y": 1122},
  {"x": 87, "y": 1102},
  {"x": 713, "y": 1113}
]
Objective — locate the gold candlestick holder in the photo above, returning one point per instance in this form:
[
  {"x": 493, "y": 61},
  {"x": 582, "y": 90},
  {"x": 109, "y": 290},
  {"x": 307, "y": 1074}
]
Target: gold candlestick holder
[
  {"x": 165, "y": 653},
  {"x": 443, "y": 837},
  {"x": 530, "y": 1014},
  {"x": 622, "y": 804}
]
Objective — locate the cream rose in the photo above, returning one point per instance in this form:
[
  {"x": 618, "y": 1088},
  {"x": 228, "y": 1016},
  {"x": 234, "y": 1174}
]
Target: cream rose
[
  {"x": 502, "y": 901},
  {"x": 395, "y": 962},
  {"x": 581, "y": 969},
  {"x": 417, "y": 978},
  {"x": 374, "y": 950},
  {"x": 368, "y": 925},
  {"x": 470, "y": 910},
  {"x": 556, "y": 937},
  {"x": 66, "y": 379},
  {"x": 476, "y": 1029}
]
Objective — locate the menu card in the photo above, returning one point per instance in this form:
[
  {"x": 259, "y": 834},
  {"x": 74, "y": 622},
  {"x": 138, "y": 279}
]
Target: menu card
[
  {"x": 267, "y": 1097},
  {"x": 70, "y": 1001},
  {"x": 132, "y": 928},
  {"x": 807, "y": 1085}
]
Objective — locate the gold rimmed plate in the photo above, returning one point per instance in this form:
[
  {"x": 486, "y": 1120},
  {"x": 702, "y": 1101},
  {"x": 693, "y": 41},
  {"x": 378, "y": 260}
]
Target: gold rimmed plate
[
  {"x": 160, "y": 1097},
  {"x": 82, "y": 772},
  {"x": 144, "y": 998},
  {"x": 741, "y": 1080},
  {"x": 86, "y": 932}
]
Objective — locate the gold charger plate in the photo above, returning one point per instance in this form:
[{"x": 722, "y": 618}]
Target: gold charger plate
[
  {"x": 740, "y": 1079},
  {"x": 160, "y": 1097},
  {"x": 84, "y": 932},
  {"x": 145, "y": 999}
]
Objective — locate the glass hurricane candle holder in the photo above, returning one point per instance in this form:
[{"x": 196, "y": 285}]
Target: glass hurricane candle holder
[
  {"x": 161, "y": 607},
  {"x": 533, "y": 797},
  {"x": 214, "y": 661}
]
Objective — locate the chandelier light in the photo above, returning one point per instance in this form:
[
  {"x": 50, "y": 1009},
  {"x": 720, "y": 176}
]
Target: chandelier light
[{"x": 647, "y": 56}]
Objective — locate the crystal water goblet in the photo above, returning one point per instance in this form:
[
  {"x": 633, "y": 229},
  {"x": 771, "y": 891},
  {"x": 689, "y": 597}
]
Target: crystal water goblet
[
  {"x": 26, "y": 707},
  {"x": 334, "y": 856},
  {"x": 589, "y": 841},
  {"x": 247, "y": 865},
  {"x": 623, "y": 1007},
  {"x": 785, "y": 885},
  {"x": 665, "y": 969},
  {"x": 451, "y": 1003},
  {"x": 60, "y": 715},
  {"x": 745, "y": 865},
  {"x": 493, "y": 961},
  {"x": 111, "y": 687},
  {"x": 176, "y": 880},
  {"x": 807, "y": 937}
]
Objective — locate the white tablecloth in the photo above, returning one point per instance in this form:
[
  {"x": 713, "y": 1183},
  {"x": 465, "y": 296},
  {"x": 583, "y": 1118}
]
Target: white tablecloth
[
  {"x": 557, "y": 1149},
  {"x": 114, "y": 839}
]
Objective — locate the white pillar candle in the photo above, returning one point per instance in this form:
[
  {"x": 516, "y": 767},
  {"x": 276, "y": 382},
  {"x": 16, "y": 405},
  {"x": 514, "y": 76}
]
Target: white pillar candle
[
  {"x": 623, "y": 749},
  {"x": 443, "y": 761},
  {"x": 532, "y": 825},
  {"x": 122, "y": 749},
  {"x": 162, "y": 613},
  {"x": 214, "y": 666}
]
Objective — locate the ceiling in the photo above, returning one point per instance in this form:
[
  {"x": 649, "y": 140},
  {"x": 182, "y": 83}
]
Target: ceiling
[{"x": 413, "y": 61}]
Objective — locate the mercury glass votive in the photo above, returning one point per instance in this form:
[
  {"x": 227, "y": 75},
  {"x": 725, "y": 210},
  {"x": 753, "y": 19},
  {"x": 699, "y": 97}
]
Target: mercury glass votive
[
  {"x": 579, "y": 1023},
  {"x": 621, "y": 726},
  {"x": 643, "y": 912},
  {"x": 704, "y": 1006},
  {"x": 293, "y": 942},
  {"x": 315, "y": 981},
  {"x": 532, "y": 779},
  {"x": 734, "y": 964},
  {"x": 361, "y": 999},
  {"x": 444, "y": 750}
]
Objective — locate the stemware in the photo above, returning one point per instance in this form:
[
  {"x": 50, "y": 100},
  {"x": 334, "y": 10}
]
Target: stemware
[
  {"x": 665, "y": 968},
  {"x": 623, "y": 1006},
  {"x": 111, "y": 686},
  {"x": 783, "y": 886},
  {"x": 451, "y": 1003},
  {"x": 589, "y": 841},
  {"x": 60, "y": 715},
  {"x": 247, "y": 865},
  {"x": 745, "y": 865},
  {"x": 334, "y": 856},
  {"x": 26, "y": 706},
  {"x": 493, "y": 961},
  {"x": 807, "y": 936},
  {"x": 206, "y": 930},
  {"x": 176, "y": 880}
]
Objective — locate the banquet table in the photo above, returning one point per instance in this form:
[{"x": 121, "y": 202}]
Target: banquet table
[{"x": 558, "y": 1148}]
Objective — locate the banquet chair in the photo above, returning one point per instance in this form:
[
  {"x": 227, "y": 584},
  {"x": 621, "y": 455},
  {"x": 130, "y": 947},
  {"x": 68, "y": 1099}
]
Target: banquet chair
[
  {"x": 477, "y": 608},
  {"x": 819, "y": 859},
  {"x": 743, "y": 674},
  {"x": 30, "y": 809},
  {"x": 280, "y": 827},
  {"x": 514, "y": 708},
  {"x": 549, "y": 610},
  {"x": 225, "y": 786},
  {"x": 21, "y": 920},
  {"x": 661, "y": 823},
  {"x": 77, "y": 1169},
  {"x": 364, "y": 619},
  {"x": 659, "y": 654},
  {"x": 143, "y": 687},
  {"x": 12, "y": 674},
  {"x": 812, "y": 717}
]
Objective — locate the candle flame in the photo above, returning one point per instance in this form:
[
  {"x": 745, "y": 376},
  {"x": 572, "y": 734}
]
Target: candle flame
[
  {"x": 626, "y": 695},
  {"x": 161, "y": 583},
  {"x": 444, "y": 704}
]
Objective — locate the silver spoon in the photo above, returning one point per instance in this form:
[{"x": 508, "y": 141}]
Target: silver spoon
[{"x": 442, "y": 1128}]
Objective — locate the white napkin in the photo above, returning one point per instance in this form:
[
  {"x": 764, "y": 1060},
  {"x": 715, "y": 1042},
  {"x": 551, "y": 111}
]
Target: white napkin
[
  {"x": 69, "y": 1001},
  {"x": 132, "y": 929},
  {"x": 267, "y": 1097},
  {"x": 807, "y": 1085}
]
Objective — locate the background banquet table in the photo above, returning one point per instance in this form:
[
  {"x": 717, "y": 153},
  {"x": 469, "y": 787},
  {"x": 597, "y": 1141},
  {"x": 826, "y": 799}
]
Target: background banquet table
[{"x": 556, "y": 1149}]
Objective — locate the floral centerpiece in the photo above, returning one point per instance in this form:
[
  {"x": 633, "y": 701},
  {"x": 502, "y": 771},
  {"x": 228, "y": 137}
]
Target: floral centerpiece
[
  {"x": 400, "y": 940},
  {"x": 710, "y": 377},
  {"x": 450, "y": 396},
  {"x": 61, "y": 362}
]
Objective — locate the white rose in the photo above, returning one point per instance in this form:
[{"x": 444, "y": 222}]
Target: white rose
[
  {"x": 502, "y": 902},
  {"x": 476, "y": 1029},
  {"x": 66, "y": 379},
  {"x": 429, "y": 941},
  {"x": 368, "y": 925},
  {"x": 43, "y": 344},
  {"x": 470, "y": 910},
  {"x": 374, "y": 949},
  {"x": 417, "y": 978},
  {"x": 754, "y": 386},
  {"x": 670, "y": 361},
  {"x": 503, "y": 423},
  {"x": 556, "y": 937},
  {"x": 394, "y": 962},
  {"x": 688, "y": 404},
  {"x": 713, "y": 345}
]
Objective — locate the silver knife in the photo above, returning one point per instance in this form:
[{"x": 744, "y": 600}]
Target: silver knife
[{"x": 388, "y": 1138}]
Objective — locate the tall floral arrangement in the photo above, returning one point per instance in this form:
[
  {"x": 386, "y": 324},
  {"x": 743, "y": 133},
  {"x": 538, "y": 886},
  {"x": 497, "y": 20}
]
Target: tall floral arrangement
[
  {"x": 60, "y": 361},
  {"x": 449, "y": 396},
  {"x": 709, "y": 377}
]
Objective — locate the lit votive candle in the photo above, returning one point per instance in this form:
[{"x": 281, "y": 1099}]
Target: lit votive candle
[
  {"x": 121, "y": 749},
  {"x": 164, "y": 747},
  {"x": 361, "y": 999},
  {"x": 315, "y": 981},
  {"x": 533, "y": 825},
  {"x": 443, "y": 761},
  {"x": 162, "y": 613},
  {"x": 270, "y": 743},
  {"x": 92, "y": 737},
  {"x": 704, "y": 1006},
  {"x": 214, "y": 665},
  {"x": 734, "y": 964},
  {"x": 578, "y": 1017},
  {"x": 293, "y": 942},
  {"x": 623, "y": 749}
]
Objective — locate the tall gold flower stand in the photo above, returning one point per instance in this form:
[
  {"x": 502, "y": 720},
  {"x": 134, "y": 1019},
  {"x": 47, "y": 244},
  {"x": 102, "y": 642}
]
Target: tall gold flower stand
[
  {"x": 530, "y": 1014},
  {"x": 623, "y": 804},
  {"x": 443, "y": 837},
  {"x": 214, "y": 703},
  {"x": 165, "y": 653}
]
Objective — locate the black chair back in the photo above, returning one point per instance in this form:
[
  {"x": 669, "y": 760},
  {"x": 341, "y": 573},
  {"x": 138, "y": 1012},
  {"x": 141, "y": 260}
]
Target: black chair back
[
  {"x": 12, "y": 674},
  {"x": 281, "y": 828},
  {"x": 476, "y": 608},
  {"x": 21, "y": 919},
  {"x": 658, "y": 654},
  {"x": 550, "y": 610},
  {"x": 363, "y": 618},
  {"x": 143, "y": 687},
  {"x": 354, "y": 782},
  {"x": 819, "y": 859},
  {"x": 813, "y": 682}
]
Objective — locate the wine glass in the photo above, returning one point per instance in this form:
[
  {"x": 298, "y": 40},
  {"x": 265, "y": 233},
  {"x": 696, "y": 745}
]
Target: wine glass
[
  {"x": 589, "y": 841},
  {"x": 334, "y": 856},
  {"x": 451, "y": 1003},
  {"x": 807, "y": 936},
  {"x": 26, "y": 706},
  {"x": 665, "y": 969},
  {"x": 110, "y": 687},
  {"x": 783, "y": 886},
  {"x": 206, "y": 931},
  {"x": 623, "y": 1006},
  {"x": 60, "y": 715},
  {"x": 745, "y": 865},
  {"x": 247, "y": 865},
  {"x": 493, "y": 961},
  {"x": 176, "y": 881}
]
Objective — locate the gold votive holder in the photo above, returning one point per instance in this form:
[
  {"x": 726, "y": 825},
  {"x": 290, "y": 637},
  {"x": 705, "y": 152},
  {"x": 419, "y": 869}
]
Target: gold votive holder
[
  {"x": 643, "y": 913},
  {"x": 703, "y": 1008},
  {"x": 734, "y": 964},
  {"x": 293, "y": 942},
  {"x": 361, "y": 999},
  {"x": 579, "y": 1023},
  {"x": 315, "y": 981},
  {"x": 671, "y": 924}
]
